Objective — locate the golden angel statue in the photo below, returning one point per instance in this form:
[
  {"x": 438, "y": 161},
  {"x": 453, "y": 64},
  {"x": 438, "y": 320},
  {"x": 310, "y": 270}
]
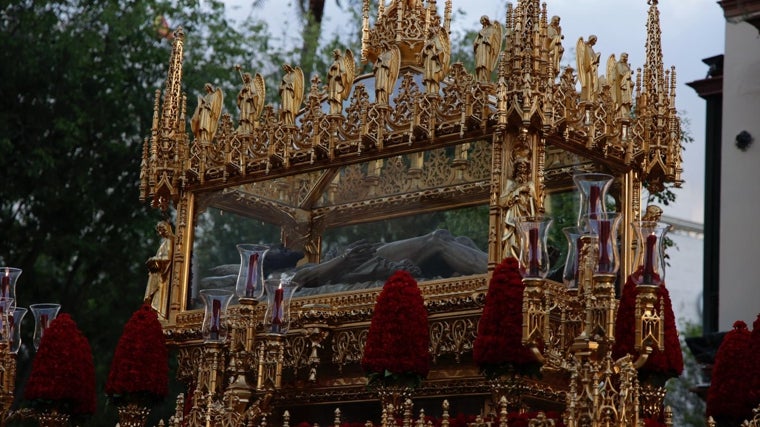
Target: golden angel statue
[
  {"x": 487, "y": 47},
  {"x": 386, "y": 71},
  {"x": 340, "y": 77},
  {"x": 291, "y": 94},
  {"x": 159, "y": 269},
  {"x": 518, "y": 200},
  {"x": 588, "y": 67},
  {"x": 436, "y": 55},
  {"x": 554, "y": 46},
  {"x": 621, "y": 83},
  {"x": 206, "y": 116},
  {"x": 250, "y": 101}
]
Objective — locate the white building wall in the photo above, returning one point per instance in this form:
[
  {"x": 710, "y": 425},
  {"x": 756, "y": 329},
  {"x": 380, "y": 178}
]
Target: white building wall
[{"x": 740, "y": 179}]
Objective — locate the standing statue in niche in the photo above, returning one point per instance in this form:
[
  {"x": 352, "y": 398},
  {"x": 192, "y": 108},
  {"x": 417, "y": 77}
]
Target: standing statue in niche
[
  {"x": 487, "y": 47},
  {"x": 291, "y": 94},
  {"x": 621, "y": 83},
  {"x": 250, "y": 101},
  {"x": 517, "y": 201},
  {"x": 206, "y": 116},
  {"x": 386, "y": 70},
  {"x": 554, "y": 46},
  {"x": 159, "y": 269},
  {"x": 340, "y": 77},
  {"x": 435, "y": 59},
  {"x": 588, "y": 68}
]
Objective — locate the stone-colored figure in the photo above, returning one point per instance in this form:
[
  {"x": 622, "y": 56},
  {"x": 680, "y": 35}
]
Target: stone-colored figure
[
  {"x": 250, "y": 101},
  {"x": 588, "y": 68},
  {"x": 554, "y": 46},
  {"x": 386, "y": 70},
  {"x": 159, "y": 269},
  {"x": 291, "y": 94},
  {"x": 436, "y": 55},
  {"x": 340, "y": 77},
  {"x": 206, "y": 116},
  {"x": 487, "y": 47},
  {"x": 652, "y": 213},
  {"x": 517, "y": 201},
  {"x": 621, "y": 83}
]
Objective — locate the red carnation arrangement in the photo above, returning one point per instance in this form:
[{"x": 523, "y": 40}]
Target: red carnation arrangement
[
  {"x": 726, "y": 397},
  {"x": 63, "y": 373},
  {"x": 140, "y": 366},
  {"x": 661, "y": 365},
  {"x": 498, "y": 348},
  {"x": 398, "y": 341}
]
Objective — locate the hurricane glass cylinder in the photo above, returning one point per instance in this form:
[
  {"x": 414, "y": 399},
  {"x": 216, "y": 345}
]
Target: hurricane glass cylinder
[
  {"x": 250, "y": 280},
  {"x": 279, "y": 292},
  {"x": 8, "y": 278},
  {"x": 6, "y": 313},
  {"x": 650, "y": 252},
  {"x": 593, "y": 189},
  {"x": 605, "y": 227},
  {"x": 534, "y": 255},
  {"x": 215, "y": 303},
  {"x": 14, "y": 325},
  {"x": 43, "y": 313},
  {"x": 570, "y": 271}
]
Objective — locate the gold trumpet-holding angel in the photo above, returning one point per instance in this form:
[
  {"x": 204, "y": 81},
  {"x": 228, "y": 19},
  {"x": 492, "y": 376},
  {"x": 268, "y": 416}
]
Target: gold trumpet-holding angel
[
  {"x": 291, "y": 94},
  {"x": 250, "y": 101},
  {"x": 340, "y": 77},
  {"x": 205, "y": 119}
]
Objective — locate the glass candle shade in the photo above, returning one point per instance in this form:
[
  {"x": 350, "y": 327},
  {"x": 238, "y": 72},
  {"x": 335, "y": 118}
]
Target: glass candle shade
[
  {"x": 43, "y": 313},
  {"x": 279, "y": 292},
  {"x": 570, "y": 272},
  {"x": 250, "y": 280},
  {"x": 650, "y": 253},
  {"x": 8, "y": 278},
  {"x": 593, "y": 189},
  {"x": 534, "y": 256},
  {"x": 14, "y": 326},
  {"x": 215, "y": 303},
  {"x": 605, "y": 227}
]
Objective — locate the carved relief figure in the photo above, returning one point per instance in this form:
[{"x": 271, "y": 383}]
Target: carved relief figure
[
  {"x": 250, "y": 101},
  {"x": 436, "y": 54},
  {"x": 588, "y": 68},
  {"x": 206, "y": 116},
  {"x": 291, "y": 94},
  {"x": 554, "y": 46},
  {"x": 487, "y": 47},
  {"x": 517, "y": 201},
  {"x": 159, "y": 268},
  {"x": 386, "y": 70},
  {"x": 340, "y": 77},
  {"x": 621, "y": 83}
]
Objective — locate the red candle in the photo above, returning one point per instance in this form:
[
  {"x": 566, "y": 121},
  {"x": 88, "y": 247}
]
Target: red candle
[
  {"x": 604, "y": 254},
  {"x": 250, "y": 285},
  {"x": 216, "y": 319},
  {"x": 533, "y": 263},
  {"x": 649, "y": 258},
  {"x": 6, "y": 287},
  {"x": 277, "y": 310},
  {"x": 593, "y": 208}
]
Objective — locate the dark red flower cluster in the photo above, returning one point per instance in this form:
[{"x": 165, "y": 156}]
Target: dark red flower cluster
[
  {"x": 653, "y": 422},
  {"x": 63, "y": 373},
  {"x": 727, "y": 397},
  {"x": 498, "y": 345},
  {"x": 661, "y": 365},
  {"x": 140, "y": 364},
  {"x": 398, "y": 340}
]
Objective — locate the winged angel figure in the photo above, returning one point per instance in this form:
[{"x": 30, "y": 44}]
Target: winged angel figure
[
  {"x": 588, "y": 67},
  {"x": 487, "y": 47},
  {"x": 291, "y": 94},
  {"x": 250, "y": 101},
  {"x": 206, "y": 116},
  {"x": 340, "y": 78},
  {"x": 436, "y": 55},
  {"x": 621, "y": 83},
  {"x": 386, "y": 70}
]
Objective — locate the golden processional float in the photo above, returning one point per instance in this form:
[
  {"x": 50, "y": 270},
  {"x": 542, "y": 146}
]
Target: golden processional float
[{"x": 417, "y": 135}]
